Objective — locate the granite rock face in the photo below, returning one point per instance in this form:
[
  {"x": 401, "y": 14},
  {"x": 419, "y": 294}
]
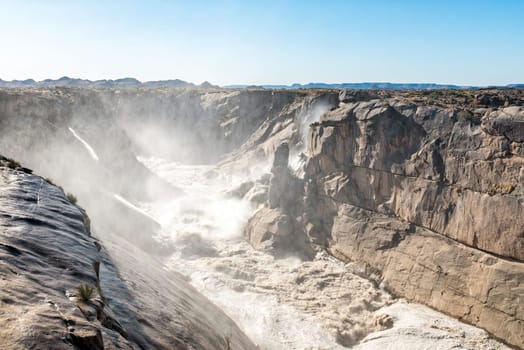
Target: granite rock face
[
  {"x": 429, "y": 199},
  {"x": 46, "y": 253},
  {"x": 452, "y": 178}
]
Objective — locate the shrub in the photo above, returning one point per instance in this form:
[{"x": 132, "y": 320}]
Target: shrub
[
  {"x": 52, "y": 183},
  {"x": 71, "y": 197},
  {"x": 501, "y": 188},
  {"x": 13, "y": 164},
  {"x": 85, "y": 292},
  {"x": 434, "y": 95},
  {"x": 87, "y": 222}
]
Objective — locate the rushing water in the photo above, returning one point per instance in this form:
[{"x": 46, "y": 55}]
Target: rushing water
[
  {"x": 86, "y": 145},
  {"x": 286, "y": 303}
]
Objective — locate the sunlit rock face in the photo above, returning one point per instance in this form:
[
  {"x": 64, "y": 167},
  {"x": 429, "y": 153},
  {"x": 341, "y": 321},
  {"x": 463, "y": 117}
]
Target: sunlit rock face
[
  {"x": 428, "y": 198},
  {"x": 47, "y": 253},
  {"x": 432, "y": 201},
  {"x": 442, "y": 177}
]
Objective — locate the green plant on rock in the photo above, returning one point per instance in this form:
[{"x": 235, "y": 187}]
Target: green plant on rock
[
  {"x": 87, "y": 222},
  {"x": 85, "y": 292},
  {"x": 51, "y": 182},
  {"x": 13, "y": 164},
  {"x": 434, "y": 94}
]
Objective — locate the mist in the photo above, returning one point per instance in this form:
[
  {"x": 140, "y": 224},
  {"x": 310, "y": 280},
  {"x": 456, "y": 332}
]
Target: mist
[{"x": 159, "y": 168}]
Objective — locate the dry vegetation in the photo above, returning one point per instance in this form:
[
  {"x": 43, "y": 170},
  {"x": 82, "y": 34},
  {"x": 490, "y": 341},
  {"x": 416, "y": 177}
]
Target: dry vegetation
[{"x": 85, "y": 292}]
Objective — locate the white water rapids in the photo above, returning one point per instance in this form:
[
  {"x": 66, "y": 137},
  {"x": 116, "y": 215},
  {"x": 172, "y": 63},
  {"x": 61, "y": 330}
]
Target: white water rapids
[{"x": 286, "y": 303}]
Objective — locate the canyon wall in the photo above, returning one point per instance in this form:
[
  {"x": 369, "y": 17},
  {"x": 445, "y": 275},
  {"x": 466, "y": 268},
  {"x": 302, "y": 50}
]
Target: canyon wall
[
  {"x": 424, "y": 189},
  {"x": 179, "y": 125},
  {"x": 428, "y": 198},
  {"x": 130, "y": 301},
  {"x": 431, "y": 202}
]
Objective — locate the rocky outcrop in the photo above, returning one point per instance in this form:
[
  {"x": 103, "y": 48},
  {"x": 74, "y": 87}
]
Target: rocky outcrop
[
  {"x": 446, "y": 180},
  {"x": 428, "y": 199},
  {"x": 286, "y": 124},
  {"x": 275, "y": 226},
  {"x": 430, "y": 202},
  {"x": 38, "y": 128},
  {"x": 46, "y": 254},
  {"x": 425, "y": 267},
  {"x": 61, "y": 289}
]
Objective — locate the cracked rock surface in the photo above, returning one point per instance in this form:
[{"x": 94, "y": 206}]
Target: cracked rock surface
[{"x": 46, "y": 253}]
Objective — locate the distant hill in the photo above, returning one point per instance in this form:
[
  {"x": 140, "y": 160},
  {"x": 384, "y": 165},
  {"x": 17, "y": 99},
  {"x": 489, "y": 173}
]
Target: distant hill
[
  {"x": 118, "y": 83},
  {"x": 369, "y": 86},
  {"x": 375, "y": 85},
  {"x": 177, "y": 83}
]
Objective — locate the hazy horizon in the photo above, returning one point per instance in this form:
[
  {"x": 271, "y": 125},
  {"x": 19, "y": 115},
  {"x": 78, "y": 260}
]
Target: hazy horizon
[
  {"x": 268, "y": 84},
  {"x": 468, "y": 43}
]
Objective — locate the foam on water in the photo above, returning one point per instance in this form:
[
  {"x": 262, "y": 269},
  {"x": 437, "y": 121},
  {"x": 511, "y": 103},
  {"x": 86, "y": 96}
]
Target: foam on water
[{"x": 204, "y": 208}]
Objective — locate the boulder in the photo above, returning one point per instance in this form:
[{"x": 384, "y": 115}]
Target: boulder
[
  {"x": 270, "y": 228},
  {"x": 87, "y": 338}
]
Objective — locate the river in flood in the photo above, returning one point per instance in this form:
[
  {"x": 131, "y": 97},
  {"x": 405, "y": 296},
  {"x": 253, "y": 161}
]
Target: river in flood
[{"x": 286, "y": 303}]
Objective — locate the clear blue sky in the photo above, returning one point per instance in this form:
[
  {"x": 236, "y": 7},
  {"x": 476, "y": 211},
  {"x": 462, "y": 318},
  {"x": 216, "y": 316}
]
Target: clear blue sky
[{"x": 265, "y": 41}]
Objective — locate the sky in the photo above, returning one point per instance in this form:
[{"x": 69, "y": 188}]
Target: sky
[{"x": 265, "y": 41}]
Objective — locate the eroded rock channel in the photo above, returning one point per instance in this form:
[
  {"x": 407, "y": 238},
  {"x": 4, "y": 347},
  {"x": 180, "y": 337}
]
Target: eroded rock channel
[{"x": 314, "y": 219}]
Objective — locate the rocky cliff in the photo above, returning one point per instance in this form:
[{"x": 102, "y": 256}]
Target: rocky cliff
[
  {"x": 429, "y": 198},
  {"x": 431, "y": 201},
  {"x": 62, "y": 289},
  {"x": 89, "y": 140},
  {"x": 423, "y": 188}
]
